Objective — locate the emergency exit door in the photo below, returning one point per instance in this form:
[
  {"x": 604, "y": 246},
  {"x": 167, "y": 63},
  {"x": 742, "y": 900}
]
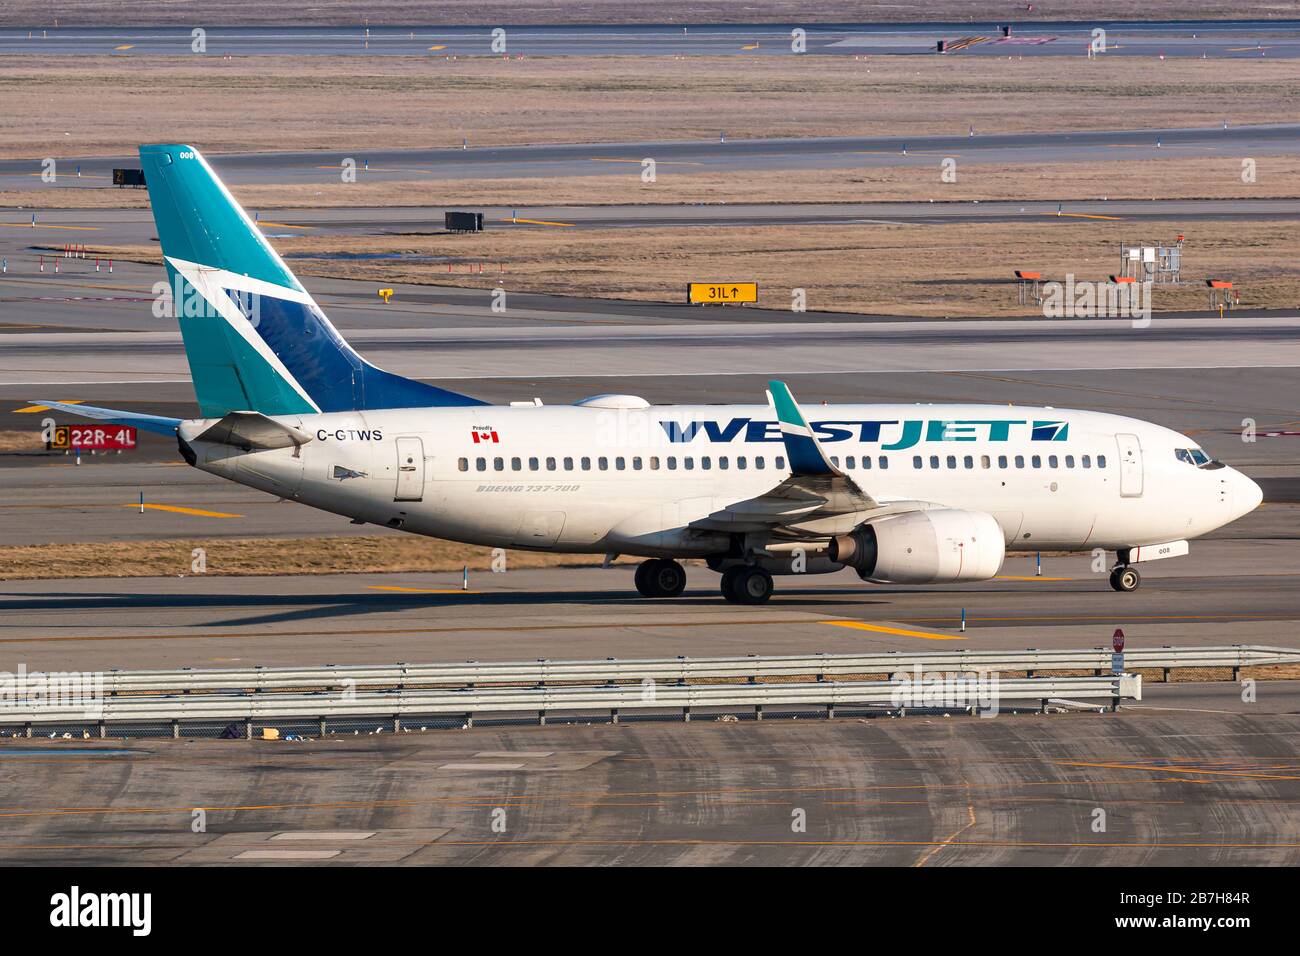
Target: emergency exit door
[
  {"x": 1130, "y": 466},
  {"x": 410, "y": 470}
]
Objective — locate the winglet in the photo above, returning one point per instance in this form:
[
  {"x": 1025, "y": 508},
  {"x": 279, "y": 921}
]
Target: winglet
[{"x": 801, "y": 445}]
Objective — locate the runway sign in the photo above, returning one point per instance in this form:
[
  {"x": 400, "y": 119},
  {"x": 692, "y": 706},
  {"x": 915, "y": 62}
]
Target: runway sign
[
  {"x": 93, "y": 438},
  {"x": 721, "y": 293}
]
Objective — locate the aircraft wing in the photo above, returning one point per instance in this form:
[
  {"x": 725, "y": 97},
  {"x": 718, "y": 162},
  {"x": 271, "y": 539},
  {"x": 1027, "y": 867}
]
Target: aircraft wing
[
  {"x": 150, "y": 423},
  {"x": 815, "y": 491}
]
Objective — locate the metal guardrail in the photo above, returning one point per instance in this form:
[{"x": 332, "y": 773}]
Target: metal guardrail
[
  {"x": 684, "y": 669},
  {"x": 394, "y": 705},
  {"x": 321, "y": 694}
]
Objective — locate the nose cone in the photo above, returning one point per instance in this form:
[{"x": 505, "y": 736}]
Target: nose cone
[{"x": 1246, "y": 494}]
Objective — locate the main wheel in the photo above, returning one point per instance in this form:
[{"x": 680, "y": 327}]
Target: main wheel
[
  {"x": 729, "y": 582},
  {"x": 667, "y": 579},
  {"x": 660, "y": 578},
  {"x": 1125, "y": 578},
  {"x": 749, "y": 585}
]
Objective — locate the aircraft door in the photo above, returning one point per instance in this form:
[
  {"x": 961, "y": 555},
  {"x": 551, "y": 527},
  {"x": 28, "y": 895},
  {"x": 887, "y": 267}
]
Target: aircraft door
[
  {"x": 1130, "y": 466},
  {"x": 410, "y": 470}
]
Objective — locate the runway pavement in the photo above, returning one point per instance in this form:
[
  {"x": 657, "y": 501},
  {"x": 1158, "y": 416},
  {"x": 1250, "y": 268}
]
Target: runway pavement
[
  {"x": 727, "y": 153},
  {"x": 1174, "y": 38},
  {"x": 1191, "y": 788}
]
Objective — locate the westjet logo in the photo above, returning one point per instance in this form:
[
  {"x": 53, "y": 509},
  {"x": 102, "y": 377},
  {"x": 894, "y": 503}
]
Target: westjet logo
[{"x": 891, "y": 435}]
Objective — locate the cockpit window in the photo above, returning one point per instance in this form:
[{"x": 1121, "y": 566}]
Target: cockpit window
[{"x": 1195, "y": 457}]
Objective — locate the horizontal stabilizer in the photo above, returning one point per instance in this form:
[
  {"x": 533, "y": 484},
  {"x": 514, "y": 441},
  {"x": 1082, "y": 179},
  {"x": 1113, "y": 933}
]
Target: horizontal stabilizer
[
  {"x": 251, "y": 431},
  {"x": 150, "y": 423}
]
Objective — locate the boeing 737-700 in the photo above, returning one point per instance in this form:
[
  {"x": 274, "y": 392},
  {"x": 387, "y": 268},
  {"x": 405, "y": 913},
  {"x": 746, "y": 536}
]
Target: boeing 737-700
[{"x": 902, "y": 494}]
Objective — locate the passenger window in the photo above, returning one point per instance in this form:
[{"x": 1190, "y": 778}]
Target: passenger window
[
  {"x": 722, "y": 463},
  {"x": 835, "y": 460},
  {"x": 1036, "y": 461},
  {"x": 884, "y": 462},
  {"x": 636, "y": 463},
  {"x": 586, "y": 463},
  {"x": 532, "y": 464},
  {"x": 1101, "y": 461},
  {"x": 866, "y": 462},
  {"x": 672, "y": 463},
  {"x": 759, "y": 462},
  {"x": 742, "y": 462},
  {"x": 602, "y": 463},
  {"x": 498, "y": 464},
  {"x": 706, "y": 462},
  {"x": 1069, "y": 461},
  {"x": 968, "y": 461},
  {"x": 463, "y": 464},
  {"x": 780, "y": 462},
  {"x": 568, "y": 464},
  {"x": 620, "y": 463},
  {"x": 516, "y": 464},
  {"x": 1087, "y": 461},
  {"x": 654, "y": 463},
  {"x": 1002, "y": 461},
  {"x": 1051, "y": 461},
  {"x": 550, "y": 464},
  {"x": 985, "y": 462},
  {"x": 934, "y": 461},
  {"x": 916, "y": 461},
  {"x": 480, "y": 464},
  {"x": 952, "y": 461},
  {"x": 688, "y": 463},
  {"x": 851, "y": 462},
  {"x": 1020, "y": 461}
]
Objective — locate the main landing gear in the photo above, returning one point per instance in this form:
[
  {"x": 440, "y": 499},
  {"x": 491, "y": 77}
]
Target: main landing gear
[
  {"x": 660, "y": 577},
  {"x": 1124, "y": 577},
  {"x": 746, "y": 584}
]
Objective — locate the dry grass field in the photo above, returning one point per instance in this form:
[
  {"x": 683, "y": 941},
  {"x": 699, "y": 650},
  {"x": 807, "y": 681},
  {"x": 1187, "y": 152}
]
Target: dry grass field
[
  {"x": 257, "y": 556},
  {"x": 85, "y": 106},
  {"x": 874, "y": 268},
  {"x": 247, "y": 12},
  {"x": 1168, "y": 178}
]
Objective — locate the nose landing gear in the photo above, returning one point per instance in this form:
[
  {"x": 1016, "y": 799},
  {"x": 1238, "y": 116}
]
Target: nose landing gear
[
  {"x": 660, "y": 577},
  {"x": 1124, "y": 577}
]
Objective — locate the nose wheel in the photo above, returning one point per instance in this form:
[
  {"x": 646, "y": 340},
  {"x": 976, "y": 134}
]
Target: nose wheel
[
  {"x": 660, "y": 577},
  {"x": 1125, "y": 578}
]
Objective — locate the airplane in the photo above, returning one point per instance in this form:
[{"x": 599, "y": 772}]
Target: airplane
[{"x": 900, "y": 494}]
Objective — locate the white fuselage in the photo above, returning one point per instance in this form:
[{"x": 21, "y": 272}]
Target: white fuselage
[{"x": 597, "y": 478}]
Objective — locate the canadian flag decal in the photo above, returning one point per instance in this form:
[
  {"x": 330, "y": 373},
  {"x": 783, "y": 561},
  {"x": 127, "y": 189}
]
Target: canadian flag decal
[{"x": 484, "y": 437}]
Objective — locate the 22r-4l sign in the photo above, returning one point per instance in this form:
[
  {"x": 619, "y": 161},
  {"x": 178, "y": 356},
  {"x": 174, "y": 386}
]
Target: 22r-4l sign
[
  {"x": 93, "y": 438},
  {"x": 721, "y": 293}
]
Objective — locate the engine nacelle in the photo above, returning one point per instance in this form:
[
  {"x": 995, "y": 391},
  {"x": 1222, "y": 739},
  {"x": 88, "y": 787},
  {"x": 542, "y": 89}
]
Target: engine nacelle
[{"x": 924, "y": 547}]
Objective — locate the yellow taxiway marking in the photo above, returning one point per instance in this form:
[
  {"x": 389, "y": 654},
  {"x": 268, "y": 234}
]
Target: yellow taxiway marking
[
  {"x": 1027, "y": 577},
  {"x": 882, "y": 629},
  {"x": 1083, "y": 215},
  {"x": 43, "y": 225},
  {"x": 32, "y": 409},
  {"x": 125, "y": 46},
  {"x": 282, "y": 225},
  {"x": 751, "y": 46},
  {"x": 440, "y": 46},
  {"x": 538, "y": 222},
  {"x": 1245, "y": 49},
  {"x": 394, "y": 587},
  {"x": 177, "y": 509}
]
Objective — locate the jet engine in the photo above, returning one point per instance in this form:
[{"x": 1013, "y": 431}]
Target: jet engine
[{"x": 924, "y": 547}]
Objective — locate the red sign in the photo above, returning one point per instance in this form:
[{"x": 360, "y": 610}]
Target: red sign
[
  {"x": 94, "y": 437},
  {"x": 1117, "y": 641}
]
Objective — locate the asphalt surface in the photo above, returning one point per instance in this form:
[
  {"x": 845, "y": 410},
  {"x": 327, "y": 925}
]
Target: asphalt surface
[
  {"x": 1179, "y": 38},
  {"x": 726, "y": 153},
  {"x": 1206, "y": 785}
]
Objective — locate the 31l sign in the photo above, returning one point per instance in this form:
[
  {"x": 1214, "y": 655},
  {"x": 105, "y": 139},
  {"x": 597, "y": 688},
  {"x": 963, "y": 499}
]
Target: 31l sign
[{"x": 93, "y": 438}]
